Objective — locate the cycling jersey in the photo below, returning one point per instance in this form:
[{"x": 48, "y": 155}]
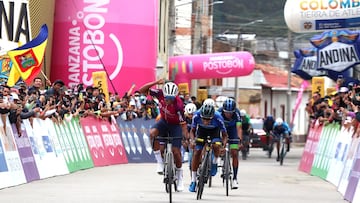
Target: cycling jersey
[
  {"x": 216, "y": 121},
  {"x": 234, "y": 119},
  {"x": 245, "y": 124},
  {"x": 281, "y": 128},
  {"x": 171, "y": 113}
]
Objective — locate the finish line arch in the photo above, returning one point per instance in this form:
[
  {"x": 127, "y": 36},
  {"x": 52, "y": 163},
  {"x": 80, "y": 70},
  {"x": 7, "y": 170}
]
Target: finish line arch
[{"x": 182, "y": 69}]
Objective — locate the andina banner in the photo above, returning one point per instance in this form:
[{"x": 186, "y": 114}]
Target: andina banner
[{"x": 337, "y": 50}]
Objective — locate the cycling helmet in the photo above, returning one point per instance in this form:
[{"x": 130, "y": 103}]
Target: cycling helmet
[
  {"x": 242, "y": 112},
  {"x": 170, "y": 89},
  {"x": 279, "y": 121},
  {"x": 207, "y": 111},
  {"x": 209, "y": 101},
  {"x": 190, "y": 108},
  {"x": 229, "y": 105}
]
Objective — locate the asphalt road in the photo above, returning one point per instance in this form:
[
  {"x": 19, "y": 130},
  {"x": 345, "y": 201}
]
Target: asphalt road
[{"x": 260, "y": 180}]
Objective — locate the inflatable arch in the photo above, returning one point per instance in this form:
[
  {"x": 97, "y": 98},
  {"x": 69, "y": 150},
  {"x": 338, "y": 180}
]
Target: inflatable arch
[{"x": 182, "y": 69}]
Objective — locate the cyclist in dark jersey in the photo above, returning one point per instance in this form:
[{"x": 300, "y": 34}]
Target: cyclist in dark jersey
[
  {"x": 232, "y": 121},
  {"x": 268, "y": 127},
  {"x": 172, "y": 122}
]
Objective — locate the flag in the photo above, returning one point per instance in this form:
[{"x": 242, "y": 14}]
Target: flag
[{"x": 27, "y": 59}]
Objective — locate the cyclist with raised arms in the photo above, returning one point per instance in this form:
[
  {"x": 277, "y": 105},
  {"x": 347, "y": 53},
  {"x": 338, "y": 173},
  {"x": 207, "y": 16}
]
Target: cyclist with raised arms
[
  {"x": 281, "y": 127},
  {"x": 232, "y": 121},
  {"x": 206, "y": 121},
  {"x": 172, "y": 121}
]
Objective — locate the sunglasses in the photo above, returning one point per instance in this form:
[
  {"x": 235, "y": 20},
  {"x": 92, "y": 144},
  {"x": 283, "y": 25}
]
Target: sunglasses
[{"x": 206, "y": 119}]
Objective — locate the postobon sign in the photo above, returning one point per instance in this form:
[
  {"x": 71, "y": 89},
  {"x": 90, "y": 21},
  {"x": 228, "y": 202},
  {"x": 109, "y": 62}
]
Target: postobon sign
[{"x": 320, "y": 15}]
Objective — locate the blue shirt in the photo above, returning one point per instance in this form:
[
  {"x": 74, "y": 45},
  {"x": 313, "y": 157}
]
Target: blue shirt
[
  {"x": 281, "y": 128},
  {"x": 216, "y": 121},
  {"x": 229, "y": 123}
]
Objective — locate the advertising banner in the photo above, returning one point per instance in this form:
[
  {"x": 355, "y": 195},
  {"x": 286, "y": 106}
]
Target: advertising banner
[
  {"x": 344, "y": 180},
  {"x": 306, "y": 66},
  {"x": 12, "y": 172},
  {"x": 104, "y": 149},
  {"x": 119, "y": 37},
  {"x": 337, "y": 50},
  {"x": 310, "y": 148},
  {"x": 353, "y": 178},
  {"x": 67, "y": 146},
  {"x": 318, "y": 85},
  {"x": 26, "y": 156},
  {"x": 136, "y": 138},
  {"x": 319, "y": 15},
  {"x": 216, "y": 65},
  {"x": 82, "y": 149},
  {"x": 338, "y": 155},
  {"x": 321, "y": 164}
]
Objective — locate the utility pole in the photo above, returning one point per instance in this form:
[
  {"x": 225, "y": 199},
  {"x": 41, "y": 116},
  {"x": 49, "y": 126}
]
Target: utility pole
[
  {"x": 288, "y": 95},
  {"x": 172, "y": 29},
  {"x": 197, "y": 43}
]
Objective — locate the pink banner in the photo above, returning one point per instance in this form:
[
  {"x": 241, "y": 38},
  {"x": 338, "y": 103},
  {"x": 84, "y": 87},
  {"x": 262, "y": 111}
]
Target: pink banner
[
  {"x": 312, "y": 141},
  {"x": 104, "y": 142},
  {"x": 304, "y": 85},
  {"x": 116, "y": 36},
  {"x": 204, "y": 66}
]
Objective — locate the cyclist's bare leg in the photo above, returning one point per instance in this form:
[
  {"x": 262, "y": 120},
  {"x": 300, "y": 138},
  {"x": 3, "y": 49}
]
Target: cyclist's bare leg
[
  {"x": 216, "y": 149},
  {"x": 177, "y": 157},
  {"x": 235, "y": 161},
  {"x": 156, "y": 148},
  {"x": 195, "y": 164},
  {"x": 278, "y": 150}
]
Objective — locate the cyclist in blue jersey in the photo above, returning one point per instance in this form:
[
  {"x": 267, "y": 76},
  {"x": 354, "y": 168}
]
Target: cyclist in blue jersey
[
  {"x": 205, "y": 121},
  {"x": 281, "y": 127},
  {"x": 232, "y": 121},
  {"x": 172, "y": 122}
]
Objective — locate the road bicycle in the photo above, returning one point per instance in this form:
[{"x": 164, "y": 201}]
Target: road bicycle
[
  {"x": 282, "y": 140},
  {"x": 283, "y": 150},
  {"x": 227, "y": 167},
  {"x": 205, "y": 167},
  {"x": 169, "y": 165}
]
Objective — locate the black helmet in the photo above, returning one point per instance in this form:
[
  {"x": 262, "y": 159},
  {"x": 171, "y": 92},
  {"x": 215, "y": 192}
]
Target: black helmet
[
  {"x": 207, "y": 111},
  {"x": 229, "y": 105}
]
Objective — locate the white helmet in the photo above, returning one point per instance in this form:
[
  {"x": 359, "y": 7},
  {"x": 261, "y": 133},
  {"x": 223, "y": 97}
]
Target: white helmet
[
  {"x": 209, "y": 101},
  {"x": 242, "y": 112},
  {"x": 279, "y": 121},
  {"x": 170, "y": 89},
  {"x": 190, "y": 108}
]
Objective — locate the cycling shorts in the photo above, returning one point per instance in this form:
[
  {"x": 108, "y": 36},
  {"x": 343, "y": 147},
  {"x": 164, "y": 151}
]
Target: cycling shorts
[
  {"x": 201, "y": 136},
  {"x": 164, "y": 128}
]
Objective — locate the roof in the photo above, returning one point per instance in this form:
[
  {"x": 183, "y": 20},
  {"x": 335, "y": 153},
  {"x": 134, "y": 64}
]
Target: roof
[{"x": 277, "y": 78}]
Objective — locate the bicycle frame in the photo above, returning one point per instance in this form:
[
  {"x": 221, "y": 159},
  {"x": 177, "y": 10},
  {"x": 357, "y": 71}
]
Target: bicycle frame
[{"x": 205, "y": 168}]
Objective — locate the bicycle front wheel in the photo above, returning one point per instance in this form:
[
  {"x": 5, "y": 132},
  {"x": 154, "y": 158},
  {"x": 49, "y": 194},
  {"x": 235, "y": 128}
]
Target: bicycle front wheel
[
  {"x": 282, "y": 151},
  {"x": 169, "y": 174},
  {"x": 203, "y": 175}
]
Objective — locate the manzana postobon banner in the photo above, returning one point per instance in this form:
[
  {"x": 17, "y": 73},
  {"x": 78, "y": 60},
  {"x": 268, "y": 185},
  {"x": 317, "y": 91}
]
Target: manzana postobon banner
[
  {"x": 305, "y": 65},
  {"x": 119, "y": 37},
  {"x": 337, "y": 50}
]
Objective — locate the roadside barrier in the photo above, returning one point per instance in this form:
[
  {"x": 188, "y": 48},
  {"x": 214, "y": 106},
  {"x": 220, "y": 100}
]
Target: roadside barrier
[{"x": 332, "y": 153}]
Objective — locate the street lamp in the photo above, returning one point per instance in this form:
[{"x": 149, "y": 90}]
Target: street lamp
[{"x": 241, "y": 48}]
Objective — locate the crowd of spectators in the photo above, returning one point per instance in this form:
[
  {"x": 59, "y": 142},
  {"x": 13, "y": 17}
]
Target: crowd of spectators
[
  {"x": 58, "y": 102},
  {"x": 340, "y": 106}
]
